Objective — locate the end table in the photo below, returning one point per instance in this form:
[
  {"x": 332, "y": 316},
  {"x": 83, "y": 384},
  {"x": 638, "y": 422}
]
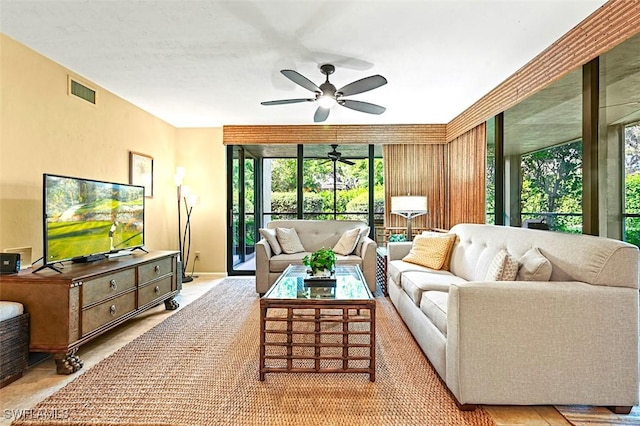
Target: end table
[{"x": 381, "y": 269}]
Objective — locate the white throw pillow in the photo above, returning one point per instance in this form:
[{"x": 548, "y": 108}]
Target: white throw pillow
[
  {"x": 534, "y": 266},
  {"x": 347, "y": 242},
  {"x": 504, "y": 267},
  {"x": 289, "y": 240},
  {"x": 364, "y": 232},
  {"x": 270, "y": 236}
]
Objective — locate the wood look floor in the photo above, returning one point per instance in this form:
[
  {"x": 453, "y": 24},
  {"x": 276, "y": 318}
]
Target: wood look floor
[{"x": 41, "y": 381}]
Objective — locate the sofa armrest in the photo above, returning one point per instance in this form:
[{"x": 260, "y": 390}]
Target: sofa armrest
[
  {"x": 263, "y": 255},
  {"x": 396, "y": 251},
  {"x": 369, "y": 259},
  {"x": 545, "y": 340}
]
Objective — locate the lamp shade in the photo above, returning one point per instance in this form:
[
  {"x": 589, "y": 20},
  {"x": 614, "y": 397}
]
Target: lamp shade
[{"x": 409, "y": 203}]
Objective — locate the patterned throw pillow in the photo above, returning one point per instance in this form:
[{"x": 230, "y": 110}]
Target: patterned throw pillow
[
  {"x": 347, "y": 243},
  {"x": 504, "y": 267},
  {"x": 270, "y": 236},
  {"x": 431, "y": 252},
  {"x": 447, "y": 262},
  {"x": 535, "y": 267},
  {"x": 289, "y": 240}
]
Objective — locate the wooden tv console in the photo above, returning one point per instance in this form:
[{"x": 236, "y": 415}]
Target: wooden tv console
[{"x": 70, "y": 308}]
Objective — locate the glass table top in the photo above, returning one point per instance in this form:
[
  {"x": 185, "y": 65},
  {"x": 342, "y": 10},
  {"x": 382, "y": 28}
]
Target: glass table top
[{"x": 350, "y": 285}]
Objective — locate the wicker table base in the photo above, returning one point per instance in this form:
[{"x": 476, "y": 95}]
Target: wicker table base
[{"x": 317, "y": 336}]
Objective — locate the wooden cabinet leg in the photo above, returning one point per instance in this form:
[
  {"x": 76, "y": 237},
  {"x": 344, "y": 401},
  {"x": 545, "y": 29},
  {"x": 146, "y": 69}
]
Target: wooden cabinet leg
[
  {"x": 171, "y": 304},
  {"x": 67, "y": 362}
]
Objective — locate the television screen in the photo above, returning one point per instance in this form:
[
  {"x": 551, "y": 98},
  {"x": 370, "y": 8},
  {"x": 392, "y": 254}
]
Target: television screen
[{"x": 84, "y": 217}]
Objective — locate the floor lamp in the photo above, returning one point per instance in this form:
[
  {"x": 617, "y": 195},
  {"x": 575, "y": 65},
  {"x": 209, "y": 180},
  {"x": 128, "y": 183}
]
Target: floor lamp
[
  {"x": 409, "y": 207},
  {"x": 178, "y": 178}
]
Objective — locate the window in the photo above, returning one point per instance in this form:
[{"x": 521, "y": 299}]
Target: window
[{"x": 631, "y": 214}]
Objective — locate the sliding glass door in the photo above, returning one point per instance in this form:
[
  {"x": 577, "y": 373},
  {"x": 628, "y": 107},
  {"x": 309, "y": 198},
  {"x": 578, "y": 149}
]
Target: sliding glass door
[{"x": 241, "y": 222}]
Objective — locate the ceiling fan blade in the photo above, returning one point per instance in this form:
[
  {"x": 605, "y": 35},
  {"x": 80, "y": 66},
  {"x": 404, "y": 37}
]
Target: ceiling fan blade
[
  {"x": 363, "y": 85},
  {"x": 301, "y": 80},
  {"x": 362, "y": 106},
  {"x": 321, "y": 115},
  {"x": 286, "y": 101},
  {"x": 350, "y": 163}
]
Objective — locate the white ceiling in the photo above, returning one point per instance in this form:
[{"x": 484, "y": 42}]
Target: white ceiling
[{"x": 198, "y": 63}]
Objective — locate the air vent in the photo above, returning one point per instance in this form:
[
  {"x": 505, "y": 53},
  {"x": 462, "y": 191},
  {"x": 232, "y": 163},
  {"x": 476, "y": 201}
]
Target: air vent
[{"x": 82, "y": 91}]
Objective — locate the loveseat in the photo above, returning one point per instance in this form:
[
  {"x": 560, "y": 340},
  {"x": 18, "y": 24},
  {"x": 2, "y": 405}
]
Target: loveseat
[
  {"x": 314, "y": 235},
  {"x": 567, "y": 335}
]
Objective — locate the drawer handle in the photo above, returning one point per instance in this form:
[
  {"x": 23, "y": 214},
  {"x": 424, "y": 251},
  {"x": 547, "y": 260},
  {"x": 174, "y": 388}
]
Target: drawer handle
[
  {"x": 112, "y": 310},
  {"x": 156, "y": 269},
  {"x": 113, "y": 284},
  {"x": 156, "y": 290}
]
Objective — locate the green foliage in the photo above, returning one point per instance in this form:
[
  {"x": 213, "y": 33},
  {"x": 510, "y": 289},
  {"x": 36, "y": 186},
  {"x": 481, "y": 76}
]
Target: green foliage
[
  {"x": 323, "y": 259},
  {"x": 395, "y": 238},
  {"x": 552, "y": 183}
]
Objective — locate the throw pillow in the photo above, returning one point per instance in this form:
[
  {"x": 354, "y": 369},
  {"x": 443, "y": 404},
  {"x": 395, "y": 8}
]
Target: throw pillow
[
  {"x": 364, "y": 232},
  {"x": 504, "y": 267},
  {"x": 270, "y": 236},
  {"x": 347, "y": 242},
  {"x": 289, "y": 240},
  {"x": 447, "y": 262},
  {"x": 534, "y": 266},
  {"x": 431, "y": 252}
]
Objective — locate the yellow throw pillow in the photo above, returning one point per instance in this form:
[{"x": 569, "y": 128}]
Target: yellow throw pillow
[{"x": 431, "y": 252}]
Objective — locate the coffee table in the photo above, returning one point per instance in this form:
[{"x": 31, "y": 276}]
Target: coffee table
[{"x": 318, "y": 329}]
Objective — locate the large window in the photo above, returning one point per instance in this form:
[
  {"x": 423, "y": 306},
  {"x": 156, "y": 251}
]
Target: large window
[
  {"x": 271, "y": 182},
  {"x": 543, "y": 157},
  {"x": 632, "y": 184},
  {"x": 552, "y": 187}
]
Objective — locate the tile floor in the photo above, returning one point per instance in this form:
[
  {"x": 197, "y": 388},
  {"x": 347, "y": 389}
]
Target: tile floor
[{"x": 41, "y": 381}]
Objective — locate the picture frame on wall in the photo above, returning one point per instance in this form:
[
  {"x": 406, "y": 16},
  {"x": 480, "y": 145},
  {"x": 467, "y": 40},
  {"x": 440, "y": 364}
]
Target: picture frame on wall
[{"x": 141, "y": 171}]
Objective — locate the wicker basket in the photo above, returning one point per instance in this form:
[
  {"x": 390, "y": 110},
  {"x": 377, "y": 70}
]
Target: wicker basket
[{"x": 14, "y": 348}]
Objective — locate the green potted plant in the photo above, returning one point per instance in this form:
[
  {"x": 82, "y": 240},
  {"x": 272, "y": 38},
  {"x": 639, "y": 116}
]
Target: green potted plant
[{"x": 321, "y": 262}]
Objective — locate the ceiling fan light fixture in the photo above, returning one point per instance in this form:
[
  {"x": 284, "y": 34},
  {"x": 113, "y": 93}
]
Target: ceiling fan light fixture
[{"x": 326, "y": 101}]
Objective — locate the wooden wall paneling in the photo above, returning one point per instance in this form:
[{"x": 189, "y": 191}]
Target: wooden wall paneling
[
  {"x": 416, "y": 170},
  {"x": 338, "y": 134},
  {"x": 466, "y": 175},
  {"x": 613, "y": 23}
]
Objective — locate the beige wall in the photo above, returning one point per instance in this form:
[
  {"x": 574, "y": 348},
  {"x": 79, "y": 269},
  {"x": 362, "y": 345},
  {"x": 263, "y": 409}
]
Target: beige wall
[
  {"x": 201, "y": 153},
  {"x": 43, "y": 129}
]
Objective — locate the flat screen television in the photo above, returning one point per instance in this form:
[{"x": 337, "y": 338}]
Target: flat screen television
[{"x": 86, "y": 219}]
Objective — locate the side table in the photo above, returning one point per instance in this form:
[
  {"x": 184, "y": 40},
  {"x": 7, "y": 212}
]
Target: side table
[{"x": 381, "y": 269}]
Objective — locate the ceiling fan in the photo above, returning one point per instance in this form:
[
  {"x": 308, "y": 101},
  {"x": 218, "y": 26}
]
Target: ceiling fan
[
  {"x": 327, "y": 95},
  {"x": 334, "y": 156}
]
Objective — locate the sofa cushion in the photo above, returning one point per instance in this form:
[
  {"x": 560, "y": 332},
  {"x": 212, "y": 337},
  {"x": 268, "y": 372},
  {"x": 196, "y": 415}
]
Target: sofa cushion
[
  {"x": 272, "y": 239},
  {"x": 416, "y": 283},
  {"x": 347, "y": 242},
  {"x": 395, "y": 268},
  {"x": 534, "y": 266},
  {"x": 431, "y": 252},
  {"x": 289, "y": 241},
  {"x": 434, "y": 305},
  {"x": 503, "y": 267},
  {"x": 280, "y": 262}
]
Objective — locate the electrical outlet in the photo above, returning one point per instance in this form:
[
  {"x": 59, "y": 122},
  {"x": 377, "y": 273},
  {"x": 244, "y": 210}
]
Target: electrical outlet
[{"x": 197, "y": 257}]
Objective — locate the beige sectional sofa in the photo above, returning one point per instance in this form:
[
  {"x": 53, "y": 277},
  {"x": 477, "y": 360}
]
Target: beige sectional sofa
[
  {"x": 570, "y": 340},
  {"x": 314, "y": 235}
]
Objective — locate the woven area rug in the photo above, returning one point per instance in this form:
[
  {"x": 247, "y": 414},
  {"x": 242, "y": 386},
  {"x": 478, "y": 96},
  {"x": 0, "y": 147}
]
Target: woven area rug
[
  {"x": 200, "y": 367},
  {"x": 580, "y": 415}
]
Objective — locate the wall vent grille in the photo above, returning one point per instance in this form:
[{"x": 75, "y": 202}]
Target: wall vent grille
[{"x": 82, "y": 91}]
